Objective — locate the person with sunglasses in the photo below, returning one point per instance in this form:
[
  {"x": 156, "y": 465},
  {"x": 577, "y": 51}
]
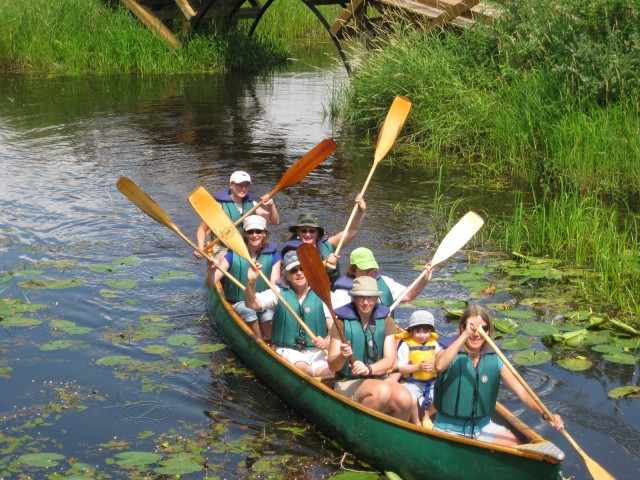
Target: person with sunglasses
[
  {"x": 369, "y": 332},
  {"x": 291, "y": 341},
  {"x": 256, "y": 237},
  {"x": 307, "y": 229},
  {"x": 236, "y": 201},
  {"x": 466, "y": 389}
]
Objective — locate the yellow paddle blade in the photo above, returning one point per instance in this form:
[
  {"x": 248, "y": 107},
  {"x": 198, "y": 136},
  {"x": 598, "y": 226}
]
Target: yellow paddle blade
[
  {"x": 144, "y": 202},
  {"x": 217, "y": 220},
  {"x": 457, "y": 237},
  {"x": 391, "y": 127}
]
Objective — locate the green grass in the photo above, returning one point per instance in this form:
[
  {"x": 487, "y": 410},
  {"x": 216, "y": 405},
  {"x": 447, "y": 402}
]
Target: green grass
[{"x": 72, "y": 37}]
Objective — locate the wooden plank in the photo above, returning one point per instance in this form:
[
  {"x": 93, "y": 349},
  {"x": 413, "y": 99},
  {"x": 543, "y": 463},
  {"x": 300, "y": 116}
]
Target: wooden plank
[
  {"x": 345, "y": 16},
  {"x": 188, "y": 12},
  {"x": 416, "y": 8},
  {"x": 452, "y": 7},
  {"x": 154, "y": 23}
]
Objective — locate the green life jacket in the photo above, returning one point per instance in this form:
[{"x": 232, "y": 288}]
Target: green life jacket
[
  {"x": 363, "y": 342},
  {"x": 239, "y": 268},
  {"x": 462, "y": 392},
  {"x": 285, "y": 328},
  {"x": 324, "y": 248},
  {"x": 223, "y": 197}
]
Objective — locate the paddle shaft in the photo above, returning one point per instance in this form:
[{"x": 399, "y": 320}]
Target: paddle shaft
[
  {"x": 596, "y": 471},
  {"x": 145, "y": 203},
  {"x": 389, "y": 132}
]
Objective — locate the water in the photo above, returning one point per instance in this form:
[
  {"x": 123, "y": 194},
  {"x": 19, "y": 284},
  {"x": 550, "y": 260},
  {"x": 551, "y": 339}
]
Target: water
[{"x": 66, "y": 142}]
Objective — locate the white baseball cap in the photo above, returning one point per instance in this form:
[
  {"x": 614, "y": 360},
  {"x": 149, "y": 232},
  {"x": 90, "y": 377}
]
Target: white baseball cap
[
  {"x": 239, "y": 177},
  {"x": 254, "y": 222}
]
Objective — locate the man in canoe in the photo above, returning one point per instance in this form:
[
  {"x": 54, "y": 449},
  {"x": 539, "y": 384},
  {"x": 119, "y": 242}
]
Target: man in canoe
[
  {"x": 256, "y": 237},
  {"x": 307, "y": 229},
  {"x": 362, "y": 263},
  {"x": 466, "y": 388},
  {"x": 292, "y": 341},
  {"x": 361, "y": 363},
  {"x": 236, "y": 201}
]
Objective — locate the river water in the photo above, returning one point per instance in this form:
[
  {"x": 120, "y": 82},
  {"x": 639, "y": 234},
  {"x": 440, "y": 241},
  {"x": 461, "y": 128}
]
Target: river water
[{"x": 123, "y": 359}]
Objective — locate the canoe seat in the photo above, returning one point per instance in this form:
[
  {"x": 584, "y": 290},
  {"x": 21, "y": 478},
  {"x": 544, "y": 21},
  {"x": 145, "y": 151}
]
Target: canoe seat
[{"x": 545, "y": 448}]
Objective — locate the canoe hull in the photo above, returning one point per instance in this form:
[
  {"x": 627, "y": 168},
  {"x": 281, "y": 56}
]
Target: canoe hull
[{"x": 411, "y": 452}]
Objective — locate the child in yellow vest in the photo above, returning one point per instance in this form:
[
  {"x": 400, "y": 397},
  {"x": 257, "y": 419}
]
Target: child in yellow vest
[{"x": 416, "y": 355}]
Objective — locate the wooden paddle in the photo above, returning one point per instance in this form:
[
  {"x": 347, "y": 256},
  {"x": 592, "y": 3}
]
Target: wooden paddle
[
  {"x": 318, "y": 279},
  {"x": 389, "y": 132},
  {"x": 296, "y": 172},
  {"x": 596, "y": 471},
  {"x": 220, "y": 224},
  {"x": 453, "y": 241},
  {"x": 145, "y": 203}
]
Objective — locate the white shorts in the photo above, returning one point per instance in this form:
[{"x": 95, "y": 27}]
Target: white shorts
[
  {"x": 313, "y": 357},
  {"x": 486, "y": 434}
]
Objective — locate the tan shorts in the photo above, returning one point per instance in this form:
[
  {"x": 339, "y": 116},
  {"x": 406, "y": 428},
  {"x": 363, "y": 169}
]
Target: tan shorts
[
  {"x": 348, "y": 386},
  {"x": 313, "y": 357}
]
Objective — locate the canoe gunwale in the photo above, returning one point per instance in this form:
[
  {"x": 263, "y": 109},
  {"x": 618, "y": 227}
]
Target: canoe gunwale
[{"x": 305, "y": 381}]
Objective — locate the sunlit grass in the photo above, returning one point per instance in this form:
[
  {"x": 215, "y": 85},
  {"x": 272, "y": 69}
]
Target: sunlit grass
[{"x": 86, "y": 36}]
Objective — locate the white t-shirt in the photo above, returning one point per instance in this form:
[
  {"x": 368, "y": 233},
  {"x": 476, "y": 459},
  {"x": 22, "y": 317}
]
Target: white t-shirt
[
  {"x": 269, "y": 300},
  {"x": 341, "y": 296}
]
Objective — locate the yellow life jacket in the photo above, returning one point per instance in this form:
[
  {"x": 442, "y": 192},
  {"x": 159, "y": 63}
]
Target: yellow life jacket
[{"x": 417, "y": 354}]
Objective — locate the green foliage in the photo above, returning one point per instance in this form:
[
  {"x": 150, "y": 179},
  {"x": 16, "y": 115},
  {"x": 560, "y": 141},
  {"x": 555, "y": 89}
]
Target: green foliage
[{"x": 72, "y": 37}]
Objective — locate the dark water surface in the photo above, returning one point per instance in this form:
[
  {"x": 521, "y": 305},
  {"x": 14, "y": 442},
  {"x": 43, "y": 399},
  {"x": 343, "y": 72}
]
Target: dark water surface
[{"x": 173, "y": 389}]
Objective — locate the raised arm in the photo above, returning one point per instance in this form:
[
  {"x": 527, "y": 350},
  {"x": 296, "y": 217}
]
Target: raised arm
[
  {"x": 414, "y": 291},
  {"x": 268, "y": 210},
  {"x": 353, "y": 229},
  {"x": 214, "y": 275},
  {"x": 250, "y": 299}
]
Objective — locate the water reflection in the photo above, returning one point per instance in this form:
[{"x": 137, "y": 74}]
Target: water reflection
[{"x": 65, "y": 144}]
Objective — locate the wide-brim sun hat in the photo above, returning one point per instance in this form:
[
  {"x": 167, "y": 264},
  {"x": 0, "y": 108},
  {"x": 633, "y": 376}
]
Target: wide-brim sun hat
[
  {"x": 307, "y": 220},
  {"x": 363, "y": 258},
  {"x": 254, "y": 222},
  {"x": 421, "y": 317},
  {"x": 365, "y": 287},
  {"x": 239, "y": 177}
]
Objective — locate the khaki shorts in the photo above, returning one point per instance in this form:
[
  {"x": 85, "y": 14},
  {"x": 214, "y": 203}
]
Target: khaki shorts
[
  {"x": 348, "y": 386},
  {"x": 313, "y": 357}
]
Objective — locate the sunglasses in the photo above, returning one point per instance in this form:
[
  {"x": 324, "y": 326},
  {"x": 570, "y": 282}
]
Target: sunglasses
[
  {"x": 254, "y": 232},
  {"x": 372, "y": 350},
  {"x": 307, "y": 230},
  {"x": 294, "y": 270}
]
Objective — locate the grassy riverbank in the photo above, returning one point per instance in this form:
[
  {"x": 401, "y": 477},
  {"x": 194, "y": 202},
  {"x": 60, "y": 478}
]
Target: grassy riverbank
[
  {"x": 549, "y": 96},
  {"x": 71, "y": 37}
]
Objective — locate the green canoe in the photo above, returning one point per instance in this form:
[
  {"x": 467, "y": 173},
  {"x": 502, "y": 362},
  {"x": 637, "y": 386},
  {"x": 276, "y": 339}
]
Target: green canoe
[{"x": 414, "y": 453}]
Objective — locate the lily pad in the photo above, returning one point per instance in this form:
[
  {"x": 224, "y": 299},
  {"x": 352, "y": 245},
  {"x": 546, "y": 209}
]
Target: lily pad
[
  {"x": 102, "y": 268},
  {"x": 158, "y": 350},
  {"x": 539, "y": 329},
  {"x": 530, "y": 358},
  {"x": 518, "y": 314},
  {"x": 182, "y": 339},
  {"x": 52, "y": 284},
  {"x": 518, "y": 342},
  {"x": 575, "y": 364},
  {"x": 122, "y": 284},
  {"x": 109, "y": 293},
  {"x": 434, "y": 303},
  {"x": 61, "y": 324},
  {"x": 153, "y": 318},
  {"x": 135, "y": 459},
  {"x": 506, "y": 325},
  {"x": 19, "y": 322},
  {"x": 129, "y": 261},
  {"x": 623, "y": 358},
  {"x": 57, "y": 345},
  {"x": 166, "y": 276},
  {"x": 180, "y": 464},
  {"x": 193, "y": 362},
  {"x": 45, "y": 460},
  {"x": 607, "y": 348},
  {"x": 626, "y": 391},
  {"x": 577, "y": 316},
  {"x": 209, "y": 348},
  {"x": 114, "y": 360}
]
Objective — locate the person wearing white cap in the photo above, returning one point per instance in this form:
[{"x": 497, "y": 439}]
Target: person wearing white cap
[
  {"x": 369, "y": 331},
  {"x": 416, "y": 355},
  {"x": 256, "y": 237},
  {"x": 362, "y": 263},
  {"x": 291, "y": 341},
  {"x": 235, "y": 201}
]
